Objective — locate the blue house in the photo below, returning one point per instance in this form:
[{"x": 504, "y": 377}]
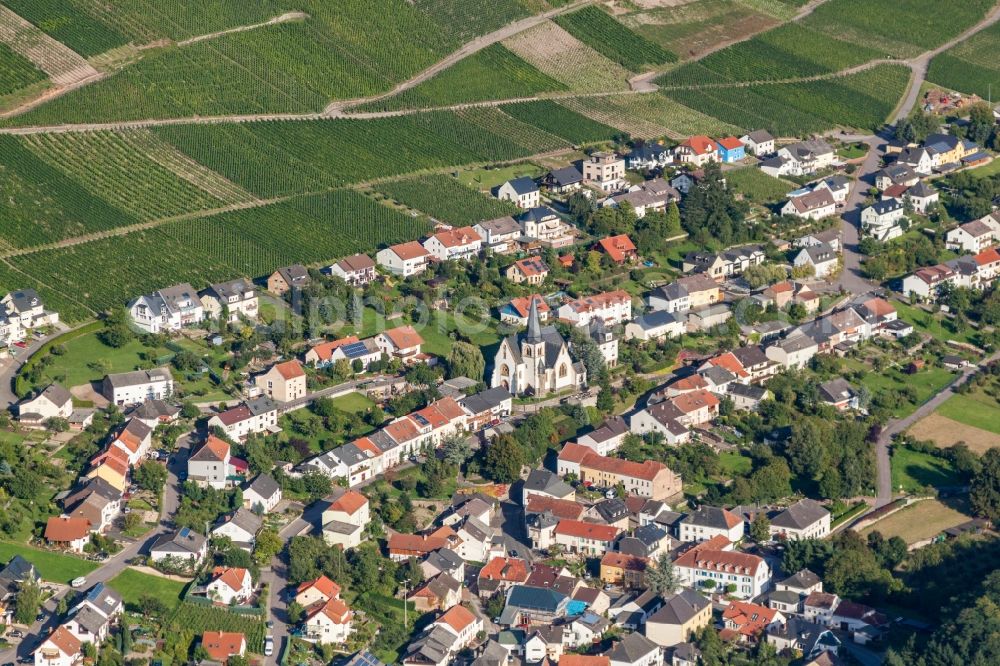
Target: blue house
[{"x": 731, "y": 150}]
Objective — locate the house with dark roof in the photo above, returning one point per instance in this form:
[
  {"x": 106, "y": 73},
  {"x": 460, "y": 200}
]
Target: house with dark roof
[
  {"x": 183, "y": 544},
  {"x": 808, "y": 638},
  {"x": 564, "y": 180},
  {"x": 682, "y": 615},
  {"x": 262, "y": 494},
  {"x": 706, "y": 522},
  {"x": 635, "y": 650},
  {"x": 528, "y": 605},
  {"x": 285, "y": 279},
  {"x": 806, "y": 519},
  {"x": 522, "y": 192}
]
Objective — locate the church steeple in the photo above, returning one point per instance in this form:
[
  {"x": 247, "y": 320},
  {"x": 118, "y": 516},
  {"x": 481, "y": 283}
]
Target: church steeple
[{"x": 534, "y": 323}]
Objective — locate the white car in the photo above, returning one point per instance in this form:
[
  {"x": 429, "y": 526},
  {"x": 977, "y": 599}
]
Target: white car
[
  {"x": 268, "y": 646},
  {"x": 78, "y": 582}
]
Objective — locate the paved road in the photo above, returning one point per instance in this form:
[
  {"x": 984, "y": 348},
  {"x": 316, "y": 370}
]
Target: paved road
[
  {"x": 12, "y": 366},
  {"x": 851, "y": 279},
  {"x": 897, "y": 426}
]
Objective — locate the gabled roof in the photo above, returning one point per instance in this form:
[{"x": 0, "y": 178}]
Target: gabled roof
[
  {"x": 349, "y": 502},
  {"x": 618, "y": 247},
  {"x": 632, "y": 649},
  {"x": 458, "y": 237},
  {"x": 458, "y": 618},
  {"x": 535, "y": 598},
  {"x": 750, "y": 619},
  {"x": 680, "y": 608},
  {"x": 510, "y": 569},
  {"x": 404, "y": 337},
  {"x": 410, "y": 250},
  {"x": 213, "y": 450},
  {"x": 65, "y": 641},
  {"x": 231, "y": 577},
  {"x": 522, "y": 185},
  {"x": 800, "y": 515},
  {"x": 700, "y": 145},
  {"x": 544, "y": 481},
  {"x": 356, "y": 262},
  {"x": 264, "y": 485},
  {"x": 221, "y": 645},
  {"x": 582, "y": 530},
  {"x": 63, "y": 529},
  {"x": 323, "y": 585},
  {"x": 714, "y": 517}
]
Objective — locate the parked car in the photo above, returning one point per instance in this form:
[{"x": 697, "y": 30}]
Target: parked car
[
  {"x": 268, "y": 646},
  {"x": 79, "y": 581}
]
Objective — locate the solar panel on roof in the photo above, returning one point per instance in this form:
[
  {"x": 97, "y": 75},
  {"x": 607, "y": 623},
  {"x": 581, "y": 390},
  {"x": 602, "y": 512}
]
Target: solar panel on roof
[
  {"x": 355, "y": 349},
  {"x": 420, "y": 419},
  {"x": 184, "y": 532}
]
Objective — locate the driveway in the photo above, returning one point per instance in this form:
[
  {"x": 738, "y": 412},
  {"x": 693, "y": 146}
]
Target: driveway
[{"x": 10, "y": 367}]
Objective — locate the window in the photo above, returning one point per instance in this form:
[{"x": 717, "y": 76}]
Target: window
[{"x": 563, "y": 371}]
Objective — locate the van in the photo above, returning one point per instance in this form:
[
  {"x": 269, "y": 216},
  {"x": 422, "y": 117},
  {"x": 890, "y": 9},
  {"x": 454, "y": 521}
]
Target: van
[
  {"x": 78, "y": 582},
  {"x": 268, "y": 646}
]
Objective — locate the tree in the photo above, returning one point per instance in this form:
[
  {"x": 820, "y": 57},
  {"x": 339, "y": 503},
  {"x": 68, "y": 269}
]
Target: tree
[
  {"x": 661, "y": 578},
  {"x": 266, "y": 546},
  {"x": 984, "y": 491},
  {"x": 456, "y": 449},
  {"x": 465, "y": 360},
  {"x": 27, "y": 603},
  {"x": 981, "y": 123},
  {"x": 503, "y": 460},
  {"x": 295, "y": 612},
  {"x": 151, "y": 476},
  {"x": 760, "y": 528},
  {"x": 117, "y": 330},
  {"x": 606, "y": 398}
]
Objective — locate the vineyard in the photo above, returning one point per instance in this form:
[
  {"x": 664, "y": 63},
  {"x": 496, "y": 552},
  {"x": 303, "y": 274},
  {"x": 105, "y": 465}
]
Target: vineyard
[
  {"x": 106, "y": 273},
  {"x": 466, "y": 19},
  {"x": 779, "y": 9},
  {"x": 114, "y": 167},
  {"x": 568, "y": 60},
  {"x": 902, "y": 28},
  {"x": 649, "y": 115},
  {"x": 862, "y": 100},
  {"x": 756, "y": 185},
  {"x": 40, "y": 204},
  {"x": 16, "y": 71},
  {"x": 66, "y": 22},
  {"x": 445, "y": 199},
  {"x": 197, "y": 620},
  {"x": 790, "y": 51},
  {"x": 491, "y": 119},
  {"x": 970, "y": 66},
  {"x": 59, "y": 63},
  {"x": 560, "y": 121},
  {"x": 280, "y": 158},
  {"x": 490, "y": 74},
  {"x": 604, "y": 34},
  {"x": 68, "y": 309}
]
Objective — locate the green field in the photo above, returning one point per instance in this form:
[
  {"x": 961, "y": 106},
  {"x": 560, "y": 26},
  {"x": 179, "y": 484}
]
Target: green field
[
  {"x": 560, "y": 121},
  {"x": 976, "y": 409},
  {"x": 134, "y": 585},
  {"x": 16, "y": 71},
  {"x": 756, "y": 185},
  {"x": 251, "y": 242},
  {"x": 490, "y": 74},
  {"x": 690, "y": 29},
  {"x": 649, "y": 116},
  {"x": 598, "y": 30},
  {"x": 355, "y": 403},
  {"x": 447, "y": 200},
  {"x": 913, "y": 470},
  {"x": 51, "y": 566}
]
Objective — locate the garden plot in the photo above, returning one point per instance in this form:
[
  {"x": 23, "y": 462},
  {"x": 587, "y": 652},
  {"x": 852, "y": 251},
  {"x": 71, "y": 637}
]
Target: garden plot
[
  {"x": 62, "y": 65},
  {"x": 568, "y": 60}
]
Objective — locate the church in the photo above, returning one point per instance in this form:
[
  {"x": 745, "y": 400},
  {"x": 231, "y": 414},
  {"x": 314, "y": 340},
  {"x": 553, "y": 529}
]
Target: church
[{"x": 536, "y": 362}]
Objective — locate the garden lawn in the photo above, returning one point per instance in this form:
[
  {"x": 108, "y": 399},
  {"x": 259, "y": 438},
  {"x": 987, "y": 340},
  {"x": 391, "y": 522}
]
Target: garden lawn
[
  {"x": 53, "y": 567},
  {"x": 134, "y": 585},
  {"x": 932, "y": 324},
  {"x": 756, "y": 185},
  {"x": 735, "y": 464},
  {"x": 355, "y": 403},
  {"x": 912, "y": 471},
  {"x": 923, "y": 520},
  {"x": 975, "y": 409}
]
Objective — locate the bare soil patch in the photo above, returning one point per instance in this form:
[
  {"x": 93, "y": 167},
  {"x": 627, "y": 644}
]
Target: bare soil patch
[
  {"x": 920, "y": 521},
  {"x": 946, "y": 432}
]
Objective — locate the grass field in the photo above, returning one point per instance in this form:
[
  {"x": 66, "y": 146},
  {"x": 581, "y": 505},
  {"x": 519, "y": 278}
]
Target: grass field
[
  {"x": 51, "y": 566},
  {"x": 946, "y": 432},
  {"x": 932, "y": 324},
  {"x": 756, "y": 185},
  {"x": 976, "y": 409},
  {"x": 134, "y": 585},
  {"x": 919, "y": 521},
  {"x": 356, "y": 403},
  {"x": 912, "y": 471}
]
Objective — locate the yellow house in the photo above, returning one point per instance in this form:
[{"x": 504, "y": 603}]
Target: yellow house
[
  {"x": 113, "y": 470},
  {"x": 682, "y": 615}
]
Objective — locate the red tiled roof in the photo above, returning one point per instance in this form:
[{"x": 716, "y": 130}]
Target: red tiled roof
[
  {"x": 689, "y": 383},
  {"x": 349, "y": 502},
  {"x": 730, "y": 143},
  {"x": 701, "y": 145},
  {"x": 580, "y": 529},
  {"x": 335, "y": 609},
  {"x": 290, "y": 369},
  {"x": 750, "y": 619},
  {"x": 881, "y": 307},
  {"x": 62, "y": 529},
  {"x": 65, "y": 641},
  {"x": 986, "y": 257},
  {"x": 619, "y": 248},
  {"x": 583, "y": 660},
  {"x": 531, "y": 266},
  {"x": 325, "y": 350},
  {"x": 458, "y": 618},
  {"x": 703, "y": 556},
  {"x": 221, "y": 645},
  {"x": 233, "y": 577},
  {"x": 557, "y": 507},
  {"x": 414, "y": 543},
  {"x": 624, "y": 561},
  {"x": 219, "y": 448},
  {"x": 401, "y": 430},
  {"x": 323, "y": 585},
  {"x": 410, "y": 250},
  {"x": 695, "y": 400},
  {"x": 508, "y": 569},
  {"x": 576, "y": 453},
  {"x": 728, "y": 361},
  {"x": 458, "y": 237},
  {"x": 599, "y": 301},
  {"x": 404, "y": 337}
]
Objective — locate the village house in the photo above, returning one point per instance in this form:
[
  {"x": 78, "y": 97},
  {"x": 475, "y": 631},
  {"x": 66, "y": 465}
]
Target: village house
[
  {"x": 655, "y": 325},
  {"x": 758, "y": 142},
  {"x": 91, "y": 618},
  {"x": 167, "y": 310},
  {"x": 500, "y": 235},
  {"x": 692, "y": 292},
  {"x": 806, "y": 519},
  {"x": 610, "y": 307},
  {"x": 747, "y": 575},
  {"x": 607, "y": 437},
  {"x": 973, "y": 237},
  {"x": 321, "y": 355},
  {"x": 221, "y": 645},
  {"x": 802, "y": 636},
  {"x": 531, "y": 270},
  {"x": 283, "y": 382},
  {"x": 800, "y": 159},
  {"x": 402, "y": 342},
  {"x": 262, "y": 494},
  {"x": 500, "y": 574},
  {"x": 544, "y": 226},
  {"x": 748, "y": 621},
  {"x": 438, "y": 593},
  {"x": 822, "y": 259},
  {"x": 283, "y": 280},
  {"x": 319, "y": 590},
  {"x": 209, "y": 465},
  {"x": 230, "y": 585},
  {"x": 651, "y": 196},
  {"x": 925, "y": 283},
  {"x": 183, "y": 544},
  {"x": 155, "y": 413},
  {"x": 731, "y": 150},
  {"x": 60, "y": 648},
  {"x": 27, "y": 309},
  {"x": 647, "y": 155},
  {"x": 487, "y": 407},
  {"x": 96, "y": 501},
  {"x": 882, "y": 220},
  {"x": 625, "y": 570},
  {"x": 650, "y": 478},
  {"x": 404, "y": 259},
  {"x": 134, "y": 438},
  {"x": 586, "y": 539},
  {"x": 522, "y": 192},
  {"x": 454, "y": 244},
  {"x": 133, "y": 388},
  {"x": 922, "y": 197},
  {"x": 664, "y": 418},
  {"x": 52, "y": 402},
  {"x": 829, "y": 237},
  {"x": 838, "y": 393},
  {"x": 241, "y": 527},
  {"x": 707, "y": 522},
  {"x": 257, "y": 415},
  {"x": 111, "y": 465},
  {"x": 516, "y": 311},
  {"x": 813, "y": 205},
  {"x": 620, "y": 249},
  {"x": 345, "y": 518},
  {"x": 697, "y": 151},
  {"x": 356, "y": 270},
  {"x": 605, "y": 171},
  {"x": 725, "y": 264},
  {"x": 230, "y": 301},
  {"x": 793, "y": 352},
  {"x": 563, "y": 181},
  {"x": 69, "y": 533},
  {"x": 838, "y": 186},
  {"x": 635, "y": 650}
]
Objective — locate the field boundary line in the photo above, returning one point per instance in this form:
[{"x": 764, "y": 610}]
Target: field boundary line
[{"x": 287, "y": 17}]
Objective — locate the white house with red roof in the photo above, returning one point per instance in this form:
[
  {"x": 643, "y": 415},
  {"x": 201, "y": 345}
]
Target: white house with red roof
[
  {"x": 582, "y": 538},
  {"x": 707, "y": 522},
  {"x": 402, "y": 342},
  {"x": 316, "y": 591},
  {"x": 461, "y": 622},
  {"x": 610, "y": 307},
  {"x": 698, "y": 151},
  {"x": 516, "y": 312},
  {"x": 458, "y": 243},
  {"x": 530, "y": 270},
  {"x": 715, "y": 561},
  {"x": 321, "y": 355},
  {"x": 345, "y": 519},
  {"x": 230, "y": 585},
  {"x": 61, "y": 648},
  {"x": 221, "y": 645},
  {"x": 67, "y": 532},
  {"x": 209, "y": 465},
  {"x": 405, "y": 259},
  {"x": 356, "y": 270},
  {"x": 284, "y": 382},
  {"x": 258, "y": 415},
  {"x": 329, "y": 622},
  {"x": 134, "y": 438}
]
